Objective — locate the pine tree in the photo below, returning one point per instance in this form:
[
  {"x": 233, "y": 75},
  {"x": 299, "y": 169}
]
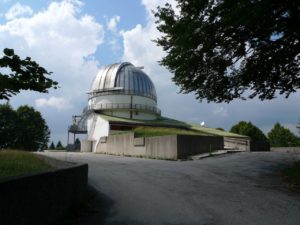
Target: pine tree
[
  {"x": 59, "y": 146},
  {"x": 51, "y": 146}
]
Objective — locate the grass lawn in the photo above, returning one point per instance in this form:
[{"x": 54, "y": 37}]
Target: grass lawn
[
  {"x": 292, "y": 174},
  {"x": 16, "y": 163},
  {"x": 158, "y": 131},
  {"x": 177, "y": 125}
]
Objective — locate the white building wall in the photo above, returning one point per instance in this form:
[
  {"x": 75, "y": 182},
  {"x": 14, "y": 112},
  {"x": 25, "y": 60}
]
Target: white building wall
[
  {"x": 96, "y": 127},
  {"x": 105, "y": 101},
  {"x": 126, "y": 114},
  {"x": 125, "y": 99}
]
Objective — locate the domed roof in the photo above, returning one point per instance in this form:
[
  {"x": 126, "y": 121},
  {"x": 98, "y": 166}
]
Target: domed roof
[{"x": 123, "y": 78}]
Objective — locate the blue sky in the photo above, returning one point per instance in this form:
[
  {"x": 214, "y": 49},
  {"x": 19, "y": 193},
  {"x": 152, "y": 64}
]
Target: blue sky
[{"x": 73, "y": 39}]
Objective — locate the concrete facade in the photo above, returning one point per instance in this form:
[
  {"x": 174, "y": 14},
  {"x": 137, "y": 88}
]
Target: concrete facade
[
  {"x": 86, "y": 146},
  {"x": 286, "y": 149},
  {"x": 259, "y": 146},
  {"x": 242, "y": 144},
  {"x": 162, "y": 147},
  {"x": 192, "y": 144},
  {"x": 245, "y": 144}
]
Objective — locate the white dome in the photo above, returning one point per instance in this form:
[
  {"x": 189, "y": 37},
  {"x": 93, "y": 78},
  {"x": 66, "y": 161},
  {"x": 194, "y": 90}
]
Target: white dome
[
  {"x": 123, "y": 78},
  {"x": 124, "y": 90}
]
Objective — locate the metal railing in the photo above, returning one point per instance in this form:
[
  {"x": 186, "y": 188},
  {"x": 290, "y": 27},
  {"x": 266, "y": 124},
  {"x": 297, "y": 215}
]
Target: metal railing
[
  {"x": 109, "y": 106},
  {"x": 121, "y": 92}
]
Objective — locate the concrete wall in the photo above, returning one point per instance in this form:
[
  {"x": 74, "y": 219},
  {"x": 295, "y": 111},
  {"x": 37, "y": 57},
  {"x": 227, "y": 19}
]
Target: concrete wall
[
  {"x": 163, "y": 147},
  {"x": 86, "y": 146},
  {"x": 119, "y": 144},
  {"x": 259, "y": 146},
  {"x": 286, "y": 149},
  {"x": 42, "y": 198},
  {"x": 245, "y": 144},
  {"x": 237, "y": 143},
  {"x": 192, "y": 144}
]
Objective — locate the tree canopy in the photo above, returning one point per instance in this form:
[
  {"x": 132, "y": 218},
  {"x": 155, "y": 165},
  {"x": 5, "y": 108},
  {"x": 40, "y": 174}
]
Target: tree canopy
[
  {"x": 280, "y": 136},
  {"x": 24, "y": 128},
  {"x": 22, "y": 74},
  {"x": 8, "y": 134},
  {"x": 220, "y": 49},
  {"x": 248, "y": 129}
]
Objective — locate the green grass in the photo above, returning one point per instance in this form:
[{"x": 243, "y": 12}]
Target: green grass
[
  {"x": 214, "y": 131},
  {"x": 16, "y": 163},
  {"x": 176, "y": 124},
  {"x": 292, "y": 173},
  {"x": 159, "y": 131}
]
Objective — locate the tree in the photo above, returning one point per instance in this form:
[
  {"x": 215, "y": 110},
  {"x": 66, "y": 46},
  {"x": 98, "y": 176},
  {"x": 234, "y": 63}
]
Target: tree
[
  {"x": 23, "y": 128},
  {"x": 24, "y": 74},
  {"x": 59, "y": 146},
  {"x": 51, "y": 146},
  {"x": 33, "y": 132},
  {"x": 282, "y": 137},
  {"x": 8, "y": 118},
  {"x": 220, "y": 49},
  {"x": 248, "y": 129}
]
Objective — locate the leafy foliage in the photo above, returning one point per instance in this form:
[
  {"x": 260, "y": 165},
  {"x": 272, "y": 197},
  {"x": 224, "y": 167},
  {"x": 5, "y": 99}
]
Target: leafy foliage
[
  {"x": 23, "y": 129},
  {"x": 59, "y": 146},
  {"x": 248, "y": 129},
  {"x": 24, "y": 74},
  {"x": 280, "y": 136},
  {"x": 220, "y": 49},
  {"x": 8, "y": 118}
]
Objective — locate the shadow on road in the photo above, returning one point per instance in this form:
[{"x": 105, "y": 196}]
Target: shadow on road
[{"x": 95, "y": 210}]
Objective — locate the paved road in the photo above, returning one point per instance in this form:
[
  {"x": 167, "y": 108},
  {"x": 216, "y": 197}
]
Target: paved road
[{"x": 234, "y": 189}]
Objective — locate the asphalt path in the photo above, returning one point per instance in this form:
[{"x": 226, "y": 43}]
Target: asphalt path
[{"x": 232, "y": 189}]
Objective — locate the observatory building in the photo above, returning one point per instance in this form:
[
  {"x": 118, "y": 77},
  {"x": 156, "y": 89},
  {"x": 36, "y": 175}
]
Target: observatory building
[
  {"x": 123, "y": 90},
  {"x": 119, "y": 90},
  {"x": 122, "y": 99}
]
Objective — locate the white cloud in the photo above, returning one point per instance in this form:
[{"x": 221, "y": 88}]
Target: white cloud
[
  {"x": 113, "y": 22},
  {"x": 220, "y": 111},
  {"x": 114, "y": 43},
  {"x": 63, "y": 40},
  {"x": 18, "y": 10},
  {"x": 58, "y": 103},
  {"x": 140, "y": 50}
]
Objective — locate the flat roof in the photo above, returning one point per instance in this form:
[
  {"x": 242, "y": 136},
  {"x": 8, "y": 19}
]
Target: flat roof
[{"x": 168, "y": 122}]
